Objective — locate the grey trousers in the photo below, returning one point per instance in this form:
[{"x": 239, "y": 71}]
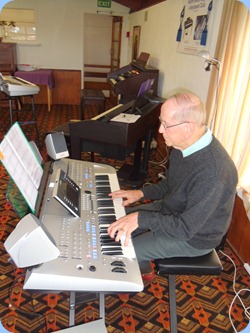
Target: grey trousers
[{"x": 154, "y": 245}]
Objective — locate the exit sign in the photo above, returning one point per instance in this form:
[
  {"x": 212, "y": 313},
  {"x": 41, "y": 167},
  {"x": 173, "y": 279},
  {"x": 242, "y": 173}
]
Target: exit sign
[{"x": 104, "y": 4}]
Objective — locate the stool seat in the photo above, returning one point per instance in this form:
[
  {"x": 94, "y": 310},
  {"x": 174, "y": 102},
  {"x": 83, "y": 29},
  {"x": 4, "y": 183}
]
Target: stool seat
[
  {"x": 92, "y": 94},
  {"x": 208, "y": 264},
  {"x": 92, "y": 97}
]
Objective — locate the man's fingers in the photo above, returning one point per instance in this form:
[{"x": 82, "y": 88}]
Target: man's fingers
[
  {"x": 119, "y": 234},
  {"x": 112, "y": 229}
]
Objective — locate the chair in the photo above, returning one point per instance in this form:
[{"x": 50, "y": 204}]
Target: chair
[
  {"x": 92, "y": 97},
  {"x": 208, "y": 264}
]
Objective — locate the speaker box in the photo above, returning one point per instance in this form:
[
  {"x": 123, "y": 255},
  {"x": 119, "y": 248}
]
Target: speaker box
[
  {"x": 30, "y": 243},
  {"x": 56, "y": 145}
]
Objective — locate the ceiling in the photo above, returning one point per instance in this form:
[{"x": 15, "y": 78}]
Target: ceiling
[{"x": 136, "y": 5}]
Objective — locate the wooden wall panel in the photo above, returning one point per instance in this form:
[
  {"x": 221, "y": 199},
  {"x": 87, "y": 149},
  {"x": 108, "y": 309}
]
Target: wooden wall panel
[
  {"x": 239, "y": 232},
  {"x": 41, "y": 97},
  {"x": 67, "y": 87},
  {"x": 96, "y": 85},
  {"x": 66, "y": 91}
]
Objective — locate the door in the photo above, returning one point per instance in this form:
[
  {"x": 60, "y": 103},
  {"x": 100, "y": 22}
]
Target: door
[
  {"x": 102, "y": 45},
  {"x": 116, "y": 43}
]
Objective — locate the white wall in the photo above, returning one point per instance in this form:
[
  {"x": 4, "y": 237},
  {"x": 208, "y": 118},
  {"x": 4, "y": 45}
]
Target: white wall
[
  {"x": 60, "y": 32},
  {"x": 158, "y": 38}
]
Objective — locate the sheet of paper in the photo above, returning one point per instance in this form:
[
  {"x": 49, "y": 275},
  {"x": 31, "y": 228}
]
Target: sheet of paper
[
  {"x": 126, "y": 118},
  {"x": 19, "y": 175},
  {"x": 25, "y": 153},
  {"x": 19, "y": 160}
]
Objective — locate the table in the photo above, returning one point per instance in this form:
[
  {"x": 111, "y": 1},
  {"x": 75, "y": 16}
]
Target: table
[{"x": 42, "y": 77}]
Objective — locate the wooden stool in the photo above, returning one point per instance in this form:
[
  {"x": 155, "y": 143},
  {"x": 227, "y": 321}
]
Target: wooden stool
[{"x": 92, "y": 97}]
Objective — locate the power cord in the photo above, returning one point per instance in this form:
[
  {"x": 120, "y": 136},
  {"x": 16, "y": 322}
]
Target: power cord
[
  {"x": 162, "y": 164},
  {"x": 26, "y": 313},
  {"x": 237, "y": 295},
  {"x": 164, "y": 161}
]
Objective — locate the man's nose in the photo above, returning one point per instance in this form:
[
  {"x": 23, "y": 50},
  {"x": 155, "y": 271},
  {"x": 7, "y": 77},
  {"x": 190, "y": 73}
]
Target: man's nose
[{"x": 161, "y": 129}]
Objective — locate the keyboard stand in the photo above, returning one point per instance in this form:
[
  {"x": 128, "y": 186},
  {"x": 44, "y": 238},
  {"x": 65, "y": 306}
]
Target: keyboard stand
[
  {"x": 73, "y": 303},
  {"x": 79, "y": 297},
  {"x": 19, "y": 109}
]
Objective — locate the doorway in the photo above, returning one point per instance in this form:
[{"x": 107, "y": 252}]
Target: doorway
[{"x": 102, "y": 46}]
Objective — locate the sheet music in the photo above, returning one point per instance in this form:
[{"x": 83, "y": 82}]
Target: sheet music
[{"x": 19, "y": 160}]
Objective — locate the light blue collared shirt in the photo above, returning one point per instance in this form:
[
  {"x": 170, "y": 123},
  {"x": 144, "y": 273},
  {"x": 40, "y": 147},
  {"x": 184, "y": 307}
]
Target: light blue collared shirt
[{"x": 200, "y": 144}]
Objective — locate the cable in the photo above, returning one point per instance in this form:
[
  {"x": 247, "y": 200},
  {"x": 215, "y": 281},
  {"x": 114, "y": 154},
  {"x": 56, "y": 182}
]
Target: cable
[
  {"x": 246, "y": 310},
  {"x": 163, "y": 162},
  {"x": 23, "y": 311},
  {"x": 237, "y": 295},
  {"x": 165, "y": 159}
]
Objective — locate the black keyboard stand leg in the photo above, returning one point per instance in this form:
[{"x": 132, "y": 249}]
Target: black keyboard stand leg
[
  {"x": 34, "y": 117},
  {"x": 11, "y": 112},
  {"x": 146, "y": 152},
  {"x": 136, "y": 173},
  {"x": 18, "y": 104}
]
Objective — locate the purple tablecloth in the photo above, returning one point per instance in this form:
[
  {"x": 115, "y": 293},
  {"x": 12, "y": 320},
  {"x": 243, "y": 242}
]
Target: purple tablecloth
[{"x": 40, "y": 76}]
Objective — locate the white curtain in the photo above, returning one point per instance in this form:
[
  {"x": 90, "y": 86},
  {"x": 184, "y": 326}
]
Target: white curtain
[{"x": 232, "y": 119}]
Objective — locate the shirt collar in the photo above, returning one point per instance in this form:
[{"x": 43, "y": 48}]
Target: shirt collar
[{"x": 203, "y": 142}]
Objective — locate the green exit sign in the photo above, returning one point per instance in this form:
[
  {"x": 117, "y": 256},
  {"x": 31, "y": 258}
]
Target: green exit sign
[{"x": 104, "y": 4}]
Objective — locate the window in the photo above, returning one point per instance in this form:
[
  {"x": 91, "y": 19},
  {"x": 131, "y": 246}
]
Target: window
[{"x": 18, "y": 25}]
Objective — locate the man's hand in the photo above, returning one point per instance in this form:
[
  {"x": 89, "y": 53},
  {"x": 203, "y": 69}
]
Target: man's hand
[
  {"x": 128, "y": 197},
  {"x": 126, "y": 224}
]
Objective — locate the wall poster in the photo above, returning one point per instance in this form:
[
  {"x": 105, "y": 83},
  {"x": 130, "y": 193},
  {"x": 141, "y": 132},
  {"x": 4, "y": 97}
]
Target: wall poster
[{"x": 195, "y": 25}]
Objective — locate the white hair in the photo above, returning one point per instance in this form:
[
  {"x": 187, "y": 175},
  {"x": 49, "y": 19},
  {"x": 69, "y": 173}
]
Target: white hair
[{"x": 189, "y": 108}]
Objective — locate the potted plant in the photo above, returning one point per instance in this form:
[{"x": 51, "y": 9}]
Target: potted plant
[{"x": 4, "y": 26}]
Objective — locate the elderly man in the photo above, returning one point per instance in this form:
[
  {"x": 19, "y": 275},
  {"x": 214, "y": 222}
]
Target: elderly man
[{"x": 192, "y": 207}]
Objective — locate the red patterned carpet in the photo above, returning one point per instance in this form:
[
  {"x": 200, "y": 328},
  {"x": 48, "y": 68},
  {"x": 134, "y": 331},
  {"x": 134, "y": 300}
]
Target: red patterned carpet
[{"x": 202, "y": 302}]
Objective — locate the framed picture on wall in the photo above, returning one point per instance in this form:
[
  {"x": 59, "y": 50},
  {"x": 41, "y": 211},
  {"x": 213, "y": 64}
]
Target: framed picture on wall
[
  {"x": 136, "y": 41},
  {"x": 196, "y": 26}
]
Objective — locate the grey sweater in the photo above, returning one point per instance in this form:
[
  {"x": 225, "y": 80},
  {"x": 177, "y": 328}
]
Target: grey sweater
[{"x": 196, "y": 198}]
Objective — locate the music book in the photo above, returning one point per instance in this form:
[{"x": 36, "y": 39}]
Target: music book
[{"x": 21, "y": 163}]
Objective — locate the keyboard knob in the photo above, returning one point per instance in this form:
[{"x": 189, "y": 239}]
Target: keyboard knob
[{"x": 92, "y": 268}]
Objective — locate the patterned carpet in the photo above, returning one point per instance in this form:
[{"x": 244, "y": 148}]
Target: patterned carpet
[{"x": 202, "y": 302}]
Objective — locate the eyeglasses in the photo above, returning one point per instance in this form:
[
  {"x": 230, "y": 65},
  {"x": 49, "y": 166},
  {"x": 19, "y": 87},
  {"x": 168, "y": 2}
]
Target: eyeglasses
[{"x": 168, "y": 126}]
